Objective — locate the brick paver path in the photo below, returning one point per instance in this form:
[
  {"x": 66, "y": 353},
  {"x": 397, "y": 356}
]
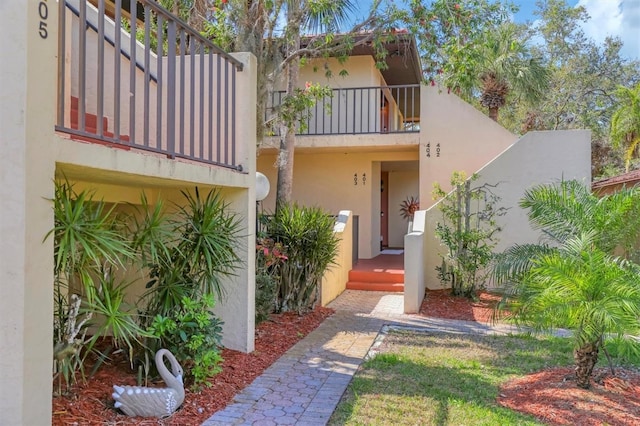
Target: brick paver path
[{"x": 304, "y": 386}]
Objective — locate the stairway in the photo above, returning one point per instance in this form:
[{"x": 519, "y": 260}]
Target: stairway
[
  {"x": 90, "y": 124},
  {"x": 381, "y": 273}
]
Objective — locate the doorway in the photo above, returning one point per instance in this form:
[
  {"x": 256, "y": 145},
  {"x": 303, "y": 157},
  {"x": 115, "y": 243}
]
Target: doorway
[{"x": 384, "y": 210}]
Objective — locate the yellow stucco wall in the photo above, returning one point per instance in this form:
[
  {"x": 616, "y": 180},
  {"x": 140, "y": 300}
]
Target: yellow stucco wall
[
  {"x": 326, "y": 179},
  {"x": 335, "y": 278},
  {"x": 35, "y": 156},
  {"x": 361, "y": 72}
]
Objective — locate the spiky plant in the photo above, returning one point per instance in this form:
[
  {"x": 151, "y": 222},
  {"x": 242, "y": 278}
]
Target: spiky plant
[{"x": 572, "y": 280}]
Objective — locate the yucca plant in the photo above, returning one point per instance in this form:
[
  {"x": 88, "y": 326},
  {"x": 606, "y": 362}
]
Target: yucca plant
[
  {"x": 573, "y": 280},
  {"x": 201, "y": 251},
  {"x": 188, "y": 255},
  {"x": 311, "y": 246},
  {"x": 116, "y": 317},
  {"x": 87, "y": 238}
]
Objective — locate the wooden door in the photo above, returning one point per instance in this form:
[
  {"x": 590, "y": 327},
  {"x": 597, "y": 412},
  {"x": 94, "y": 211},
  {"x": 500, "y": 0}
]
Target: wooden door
[{"x": 384, "y": 209}]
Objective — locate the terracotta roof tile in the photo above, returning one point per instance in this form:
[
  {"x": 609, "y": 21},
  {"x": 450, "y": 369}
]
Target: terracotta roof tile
[{"x": 632, "y": 176}]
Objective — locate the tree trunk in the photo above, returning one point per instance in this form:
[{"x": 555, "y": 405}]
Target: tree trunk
[
  {"x": 285, "y": 167},
  {"x": 288, "y": 140},
  {"x": 493, "y": 114},
  {"x": 585, "y": 358}
]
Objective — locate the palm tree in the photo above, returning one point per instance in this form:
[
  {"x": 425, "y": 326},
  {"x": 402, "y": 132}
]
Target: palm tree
[
  {"x": 497, "y": 67},
  {"x": 625, "y": 122},
  {"x": 572, "y": 280}
]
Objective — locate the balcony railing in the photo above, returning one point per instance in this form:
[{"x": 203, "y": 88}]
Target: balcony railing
[
  {"x": 358, "y": 110},
  {"x": 143, "y": 78}
]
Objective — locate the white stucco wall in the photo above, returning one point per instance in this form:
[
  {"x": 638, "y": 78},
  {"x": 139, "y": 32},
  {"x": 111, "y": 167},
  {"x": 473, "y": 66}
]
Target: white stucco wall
[
  {"x": 468, "y": 139},
  {"x": 537, "y": 158},
  {"x": 27, "y": 110}
]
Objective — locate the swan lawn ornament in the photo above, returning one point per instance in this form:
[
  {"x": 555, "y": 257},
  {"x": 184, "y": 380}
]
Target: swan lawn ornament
[{"x": 153, "y": 402}]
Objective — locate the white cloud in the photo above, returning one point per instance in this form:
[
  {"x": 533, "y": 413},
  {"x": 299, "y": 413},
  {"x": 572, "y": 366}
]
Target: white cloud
[{"x": 619, "y": 18}]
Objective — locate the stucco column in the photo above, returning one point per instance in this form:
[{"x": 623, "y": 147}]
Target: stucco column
[
  {"x": 27, "y": 110},
  {"x": 238, "y": 308}
]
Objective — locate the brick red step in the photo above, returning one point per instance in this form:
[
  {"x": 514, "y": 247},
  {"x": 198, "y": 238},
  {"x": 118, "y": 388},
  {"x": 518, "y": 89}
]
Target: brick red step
[
  {"x": 376, "y": 280},
  {"x": 375, "y": 286},
  {"x": 386, "y": 276},
  {"x": 90, "y": 120},
  {"x": 91, "y": 123}
]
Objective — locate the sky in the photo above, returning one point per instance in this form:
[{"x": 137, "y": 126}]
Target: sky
[{"x": 608, "y": 17}]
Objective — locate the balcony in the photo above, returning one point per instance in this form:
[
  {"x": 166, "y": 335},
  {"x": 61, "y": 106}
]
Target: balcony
[
  {"x": 166, "y": 89},
  {"x": 358, "y": 110}
]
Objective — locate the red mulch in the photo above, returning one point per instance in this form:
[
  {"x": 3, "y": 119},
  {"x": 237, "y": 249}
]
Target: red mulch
[
  {"x": 550, "y": 395},
  {"x": 91, "y": 403},
  {"x": 441, "y": 304}
]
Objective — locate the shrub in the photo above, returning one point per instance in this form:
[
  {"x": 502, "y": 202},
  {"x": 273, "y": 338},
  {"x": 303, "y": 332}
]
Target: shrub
[
  {"x": 307, "y": 235},
  {"x": 88, "y": 246},
  {"x": 192, "y": 333},
  {"x": 468, "y": 232},
  {"x": 269, "y": 257},
  {"x": 193, "y": 261},
  {"x": 186, "y": 254}
]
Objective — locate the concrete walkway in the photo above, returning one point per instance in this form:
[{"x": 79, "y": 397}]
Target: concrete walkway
[{"x": 304, "y": 386}]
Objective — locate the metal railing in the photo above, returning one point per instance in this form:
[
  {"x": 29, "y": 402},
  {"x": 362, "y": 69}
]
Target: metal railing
[
  {"x": 145, "y": 79},
  {"x": 357, "y": 110}
]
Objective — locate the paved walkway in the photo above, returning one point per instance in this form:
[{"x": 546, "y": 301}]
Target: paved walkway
[{"x": 304, "y": 386}]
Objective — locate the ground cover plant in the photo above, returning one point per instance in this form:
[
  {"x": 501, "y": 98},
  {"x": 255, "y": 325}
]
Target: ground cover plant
[{"x": 448, "y": 379}]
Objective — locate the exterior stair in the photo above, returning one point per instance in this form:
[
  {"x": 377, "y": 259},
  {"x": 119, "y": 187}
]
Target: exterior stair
[
  {"x": 91, "y": 124},
  {"x": 382, "y": 279}
]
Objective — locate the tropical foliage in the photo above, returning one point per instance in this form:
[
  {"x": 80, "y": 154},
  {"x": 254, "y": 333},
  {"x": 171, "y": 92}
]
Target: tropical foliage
[
  {"x": 625, "y": 122},
  {"x": 498, "y": 66},
  {"x": 193, "y": 334},
  {"x": 306, "y": 234},
  {"x": 584, "y": 76},
  {"x": 185, "y": 255},
  {"x": 88, "y": 248},
  {"x": 468, "y": 229},
  {"x": 200, "y": 253},
  {"x": 573, "y": 280},
  {"x": 270, "y": 256}
]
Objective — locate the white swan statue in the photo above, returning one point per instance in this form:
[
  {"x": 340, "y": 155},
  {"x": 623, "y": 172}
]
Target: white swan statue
[{"x": 153, "y": 402}]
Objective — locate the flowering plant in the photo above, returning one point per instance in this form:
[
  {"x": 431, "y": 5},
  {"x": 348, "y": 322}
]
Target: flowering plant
[{"x": 270, "y": 253}]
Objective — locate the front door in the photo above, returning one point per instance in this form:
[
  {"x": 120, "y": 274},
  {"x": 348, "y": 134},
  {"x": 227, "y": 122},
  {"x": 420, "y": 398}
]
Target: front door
[{"x": 384, "y": 209}]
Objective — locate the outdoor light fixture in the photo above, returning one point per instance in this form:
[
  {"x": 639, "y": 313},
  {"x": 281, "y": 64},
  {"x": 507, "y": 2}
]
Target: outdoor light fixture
[{"x": 262, "y": 186}]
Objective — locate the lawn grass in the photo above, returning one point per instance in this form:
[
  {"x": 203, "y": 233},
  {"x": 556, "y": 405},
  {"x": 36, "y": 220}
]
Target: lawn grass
[{"x": 444, "y": 379}]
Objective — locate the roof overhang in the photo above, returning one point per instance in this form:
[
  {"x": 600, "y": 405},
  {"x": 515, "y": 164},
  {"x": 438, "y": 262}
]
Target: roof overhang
[{"x": 403, "y": 61}]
